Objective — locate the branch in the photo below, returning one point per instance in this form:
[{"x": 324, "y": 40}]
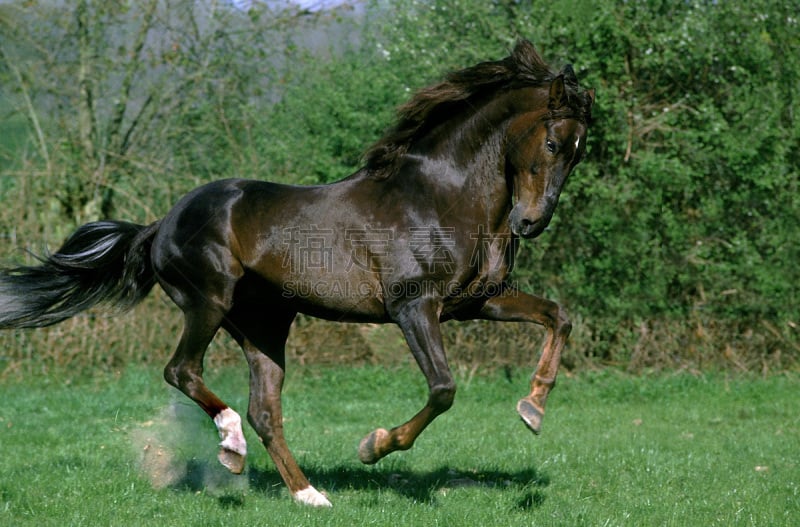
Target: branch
[
  {"x": 31, "y": 110},
  {"x": 126, "y": 141},
  {"x": 115, "y": 145},
  {"x": 86, "y": 114}
]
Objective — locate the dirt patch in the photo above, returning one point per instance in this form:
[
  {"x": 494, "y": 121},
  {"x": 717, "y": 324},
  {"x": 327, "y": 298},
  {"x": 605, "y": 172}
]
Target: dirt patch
[{"x": 178, "y": 449}]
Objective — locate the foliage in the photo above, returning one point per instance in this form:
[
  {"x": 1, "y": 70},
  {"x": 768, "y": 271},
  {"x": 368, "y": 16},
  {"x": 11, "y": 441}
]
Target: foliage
[
  {"x": 687, "y": 205},
  {"x": 680, "y": 226}
]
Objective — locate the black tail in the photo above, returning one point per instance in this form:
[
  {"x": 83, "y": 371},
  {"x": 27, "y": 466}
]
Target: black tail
[{"x": 102, "y": 262}]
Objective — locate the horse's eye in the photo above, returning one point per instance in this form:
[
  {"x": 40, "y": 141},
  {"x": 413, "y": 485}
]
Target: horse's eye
[{"x": 551, "y": 146}]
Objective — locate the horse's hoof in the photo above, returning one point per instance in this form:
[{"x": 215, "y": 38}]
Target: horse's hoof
[
  {"x": 313, "y": 497},
  {"x": 231, "y": 460},
  {"x": 531, "y": 415},
  {"x": 368, "y": 450}
]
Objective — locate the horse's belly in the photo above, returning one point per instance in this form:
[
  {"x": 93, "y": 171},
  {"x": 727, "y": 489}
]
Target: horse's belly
[{"x": 338, "y": 300}]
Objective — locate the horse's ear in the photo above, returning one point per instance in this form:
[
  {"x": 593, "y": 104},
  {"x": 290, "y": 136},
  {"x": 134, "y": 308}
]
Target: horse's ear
[
  {"x": 569, "y": 74},
  {"x": 590, "y": 95},
  {"x": 558, "y": 94}
]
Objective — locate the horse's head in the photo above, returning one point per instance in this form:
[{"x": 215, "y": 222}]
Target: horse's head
[{"x": 542, "y": 148}]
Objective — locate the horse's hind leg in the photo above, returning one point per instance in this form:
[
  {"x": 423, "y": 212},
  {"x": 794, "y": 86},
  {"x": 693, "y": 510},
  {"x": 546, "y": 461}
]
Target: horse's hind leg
[
  {"x": 185, "y": 372},
  {"x": 263, "y": 343}
]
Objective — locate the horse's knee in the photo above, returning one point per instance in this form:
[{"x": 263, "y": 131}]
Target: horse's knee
[
  {"x": 560, "y": 322},
  {"x": 564, "y": 323},
  {"x": 442, "y": 396}
]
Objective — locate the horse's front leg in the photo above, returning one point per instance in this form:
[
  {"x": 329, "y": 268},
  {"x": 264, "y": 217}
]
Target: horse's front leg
[
  {"x": 516, "y": 306},
  {"x": 419, "y": 321}
]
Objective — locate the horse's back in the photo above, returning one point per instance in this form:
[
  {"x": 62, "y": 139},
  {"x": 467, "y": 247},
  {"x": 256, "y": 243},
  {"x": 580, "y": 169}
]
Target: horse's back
[
  {"x": 222, "y": 210},
  {"x": 265, "y": 242}
]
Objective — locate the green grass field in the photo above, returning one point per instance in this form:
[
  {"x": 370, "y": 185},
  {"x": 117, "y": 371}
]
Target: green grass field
[{"x": 615, "y": 450}]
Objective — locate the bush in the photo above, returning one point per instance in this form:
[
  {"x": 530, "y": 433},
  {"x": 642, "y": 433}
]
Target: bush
[{"x": 675, "y": 242}]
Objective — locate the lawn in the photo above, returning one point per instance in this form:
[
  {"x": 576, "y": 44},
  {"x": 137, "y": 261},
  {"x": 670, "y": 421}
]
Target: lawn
[{"x": 615, "y": 450}]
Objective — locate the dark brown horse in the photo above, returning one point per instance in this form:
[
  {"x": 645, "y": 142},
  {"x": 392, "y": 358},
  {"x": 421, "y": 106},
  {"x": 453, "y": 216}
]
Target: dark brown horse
[{"x": 425, "y": 232}]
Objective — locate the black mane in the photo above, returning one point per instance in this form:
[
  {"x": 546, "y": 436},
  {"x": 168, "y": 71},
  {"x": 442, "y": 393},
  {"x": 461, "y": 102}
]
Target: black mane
[{"x": 524, "y": 67}]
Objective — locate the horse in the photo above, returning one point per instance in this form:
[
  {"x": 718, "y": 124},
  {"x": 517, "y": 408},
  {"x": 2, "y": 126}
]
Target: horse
[{"x": 425, "y": 231}]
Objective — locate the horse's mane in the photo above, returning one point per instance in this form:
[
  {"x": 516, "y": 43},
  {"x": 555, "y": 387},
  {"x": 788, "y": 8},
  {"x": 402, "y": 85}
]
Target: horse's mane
[{"x": 434, "y": 104}]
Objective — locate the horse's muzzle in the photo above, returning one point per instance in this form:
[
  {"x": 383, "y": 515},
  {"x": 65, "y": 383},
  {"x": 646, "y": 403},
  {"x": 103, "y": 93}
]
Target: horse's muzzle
[
  {"x": 526, "y": 228},
  {"x": 525, "y": 223}
]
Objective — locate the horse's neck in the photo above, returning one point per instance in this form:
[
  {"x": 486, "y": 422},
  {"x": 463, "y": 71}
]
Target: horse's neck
[{"x": 475, "y": 166}]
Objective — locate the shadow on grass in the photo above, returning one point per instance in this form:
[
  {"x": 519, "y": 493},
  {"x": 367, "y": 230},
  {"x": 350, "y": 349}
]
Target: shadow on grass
[{"x": 417, "y": 486}]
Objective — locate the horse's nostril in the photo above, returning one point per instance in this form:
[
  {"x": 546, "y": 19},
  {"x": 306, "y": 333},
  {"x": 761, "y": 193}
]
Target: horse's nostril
[{"x": 527, "y": 227}]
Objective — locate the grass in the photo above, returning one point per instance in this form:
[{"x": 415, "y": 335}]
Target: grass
[{"x": 615, "y": 450}]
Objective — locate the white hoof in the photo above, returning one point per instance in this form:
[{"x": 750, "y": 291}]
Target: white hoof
[
  {"x": 229, "y": 425},
  {"x": 311, "y": 496}
]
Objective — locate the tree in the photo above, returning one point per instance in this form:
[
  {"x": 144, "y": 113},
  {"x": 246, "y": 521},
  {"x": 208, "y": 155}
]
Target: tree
[{"x": 131, "y": 102}]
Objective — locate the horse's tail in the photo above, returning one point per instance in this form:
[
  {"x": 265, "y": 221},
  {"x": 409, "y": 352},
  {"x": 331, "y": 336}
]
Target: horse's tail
[{"x": 101, "y": 262}]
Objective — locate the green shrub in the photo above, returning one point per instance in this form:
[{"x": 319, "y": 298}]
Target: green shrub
[{"x": 679, "y": 230}]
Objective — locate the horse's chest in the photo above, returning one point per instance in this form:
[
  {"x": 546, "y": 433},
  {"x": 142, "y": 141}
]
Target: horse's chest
[
  {"x": 494, "y": 264},
  {"x": 491, "y": 267}
]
